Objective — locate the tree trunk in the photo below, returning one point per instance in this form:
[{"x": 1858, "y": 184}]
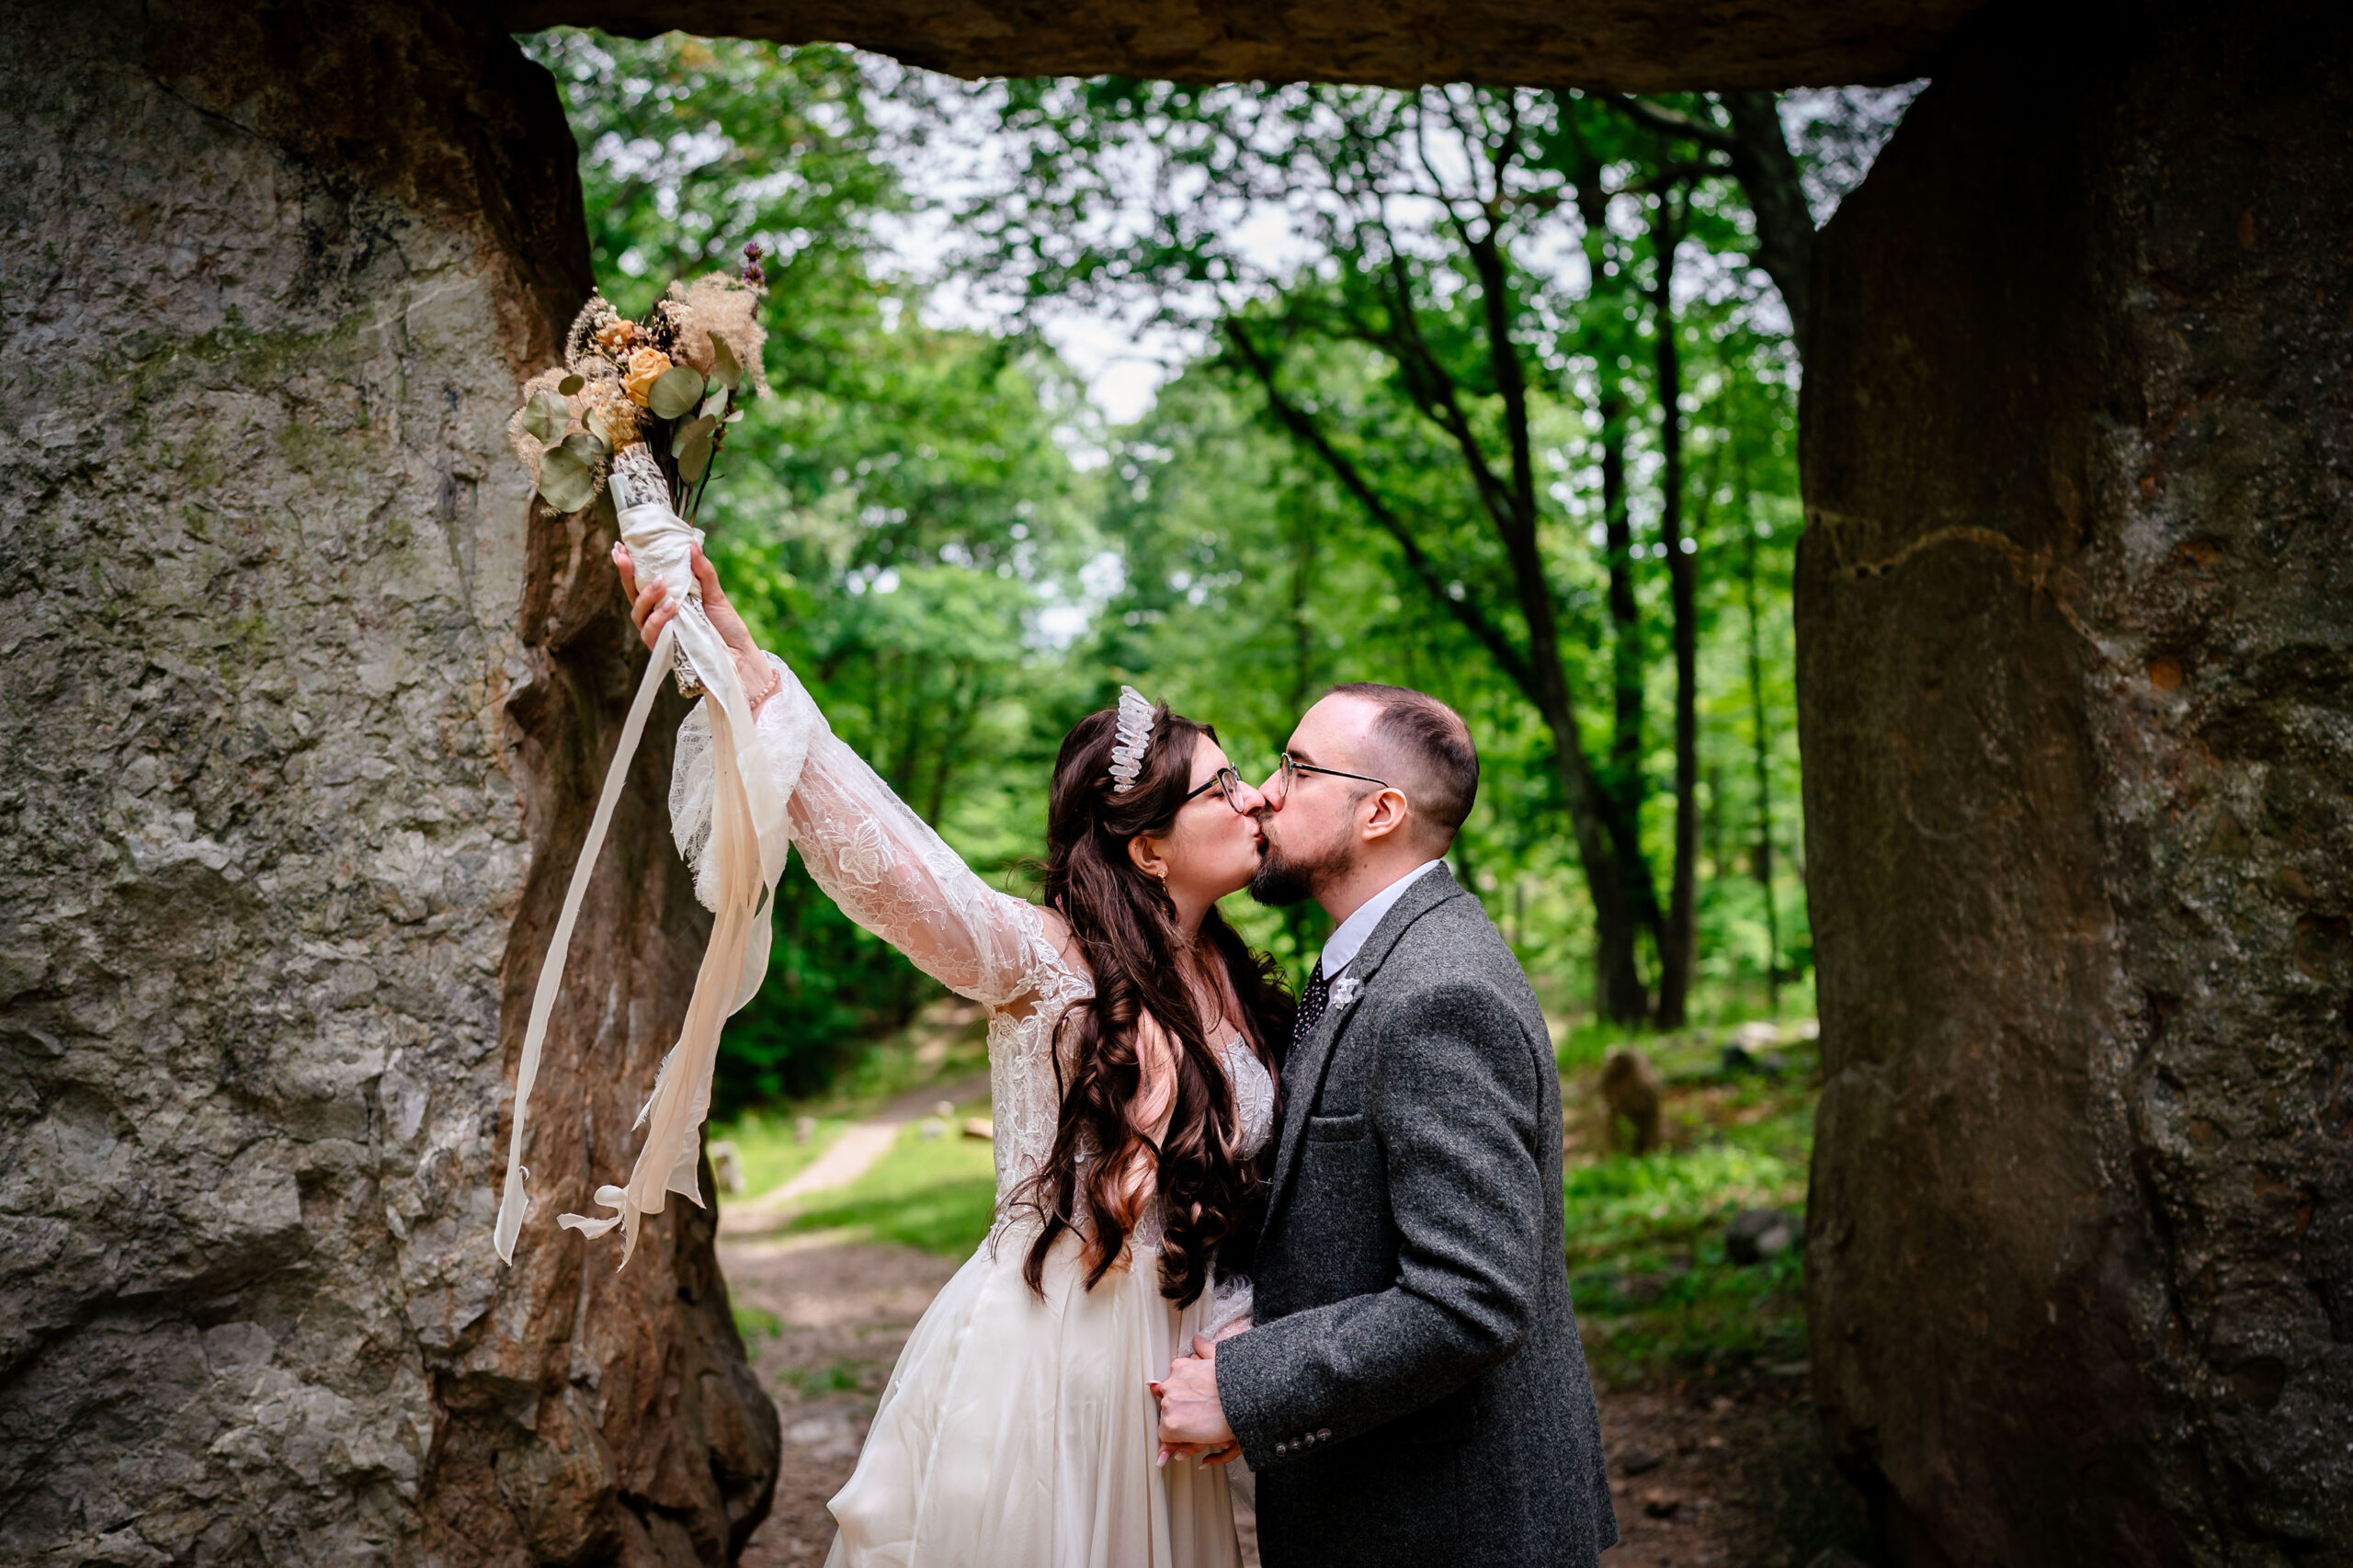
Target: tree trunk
[
  {"x": 2076, "y": 698},
  {"x": 305, "y": 707},
  {"x": 1761, "y": 754},
  {"x": 1621, "y": 778},
  {"x": 1767, "y": 173},
  {"x": 1678, "y": 936}
]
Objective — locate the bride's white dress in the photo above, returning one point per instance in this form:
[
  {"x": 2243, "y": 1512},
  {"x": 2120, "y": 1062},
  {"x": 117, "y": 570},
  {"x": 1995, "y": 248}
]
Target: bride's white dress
[{"x": 1014, "y": 1430}]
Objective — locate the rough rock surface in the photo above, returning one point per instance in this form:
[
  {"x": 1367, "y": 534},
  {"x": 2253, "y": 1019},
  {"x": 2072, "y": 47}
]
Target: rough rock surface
[
  {"x": 301, "y": 711},
  {"x": 2075, "y": 664},
  {"x": 1622, "y": 45}
]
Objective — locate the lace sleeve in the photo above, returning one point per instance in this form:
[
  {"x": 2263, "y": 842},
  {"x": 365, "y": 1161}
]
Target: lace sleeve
[
  {"x": 1230, "y": 1301},
  {"x": 877, "y": 859}
]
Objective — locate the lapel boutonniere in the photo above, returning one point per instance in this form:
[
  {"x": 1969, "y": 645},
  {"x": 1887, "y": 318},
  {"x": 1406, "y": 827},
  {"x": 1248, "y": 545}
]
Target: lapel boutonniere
[{"x": 1345, "y": 990}]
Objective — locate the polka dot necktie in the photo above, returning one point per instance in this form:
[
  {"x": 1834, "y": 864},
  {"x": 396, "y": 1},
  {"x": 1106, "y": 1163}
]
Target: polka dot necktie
[{"x": 1311, "y": 1005}]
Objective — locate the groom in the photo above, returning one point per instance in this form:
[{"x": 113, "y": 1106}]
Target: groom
[{"x": 1413, "y": 1392}]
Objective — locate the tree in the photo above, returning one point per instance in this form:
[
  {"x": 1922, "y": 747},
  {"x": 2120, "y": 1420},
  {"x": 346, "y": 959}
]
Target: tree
[
  {"x": 893, "y": 521},
  {"x": 1428, "y": 217}
]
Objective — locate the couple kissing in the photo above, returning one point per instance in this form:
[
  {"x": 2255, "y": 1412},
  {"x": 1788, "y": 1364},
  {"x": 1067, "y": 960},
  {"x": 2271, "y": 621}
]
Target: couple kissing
[{"x": 1310, "y": 1246}]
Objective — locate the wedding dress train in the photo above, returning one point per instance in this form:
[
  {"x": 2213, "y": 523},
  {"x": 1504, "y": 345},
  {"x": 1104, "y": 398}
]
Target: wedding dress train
[{"x": 1014, "y": 1430}]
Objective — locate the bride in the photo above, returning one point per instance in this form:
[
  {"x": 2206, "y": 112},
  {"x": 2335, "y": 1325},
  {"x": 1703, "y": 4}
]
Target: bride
[{"x": 1131, "y": 1037}]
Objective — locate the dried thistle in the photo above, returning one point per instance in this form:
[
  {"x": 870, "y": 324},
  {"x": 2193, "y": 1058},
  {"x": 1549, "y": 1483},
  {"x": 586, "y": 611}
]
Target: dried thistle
[
  {"x": 595, "y": 317},
  {"x": 729, "y": 309}
]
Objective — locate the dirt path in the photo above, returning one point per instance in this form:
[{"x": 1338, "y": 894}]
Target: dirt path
[
  {"x": 1728, "y": 1475},
  {"x": 846, "y": 1311},
  {"x": 851, "y": 1156}
]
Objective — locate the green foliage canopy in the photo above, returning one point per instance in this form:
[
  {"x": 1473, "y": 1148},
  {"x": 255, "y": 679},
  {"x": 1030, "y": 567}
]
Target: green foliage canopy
[{"x": 1458, "y": 294}]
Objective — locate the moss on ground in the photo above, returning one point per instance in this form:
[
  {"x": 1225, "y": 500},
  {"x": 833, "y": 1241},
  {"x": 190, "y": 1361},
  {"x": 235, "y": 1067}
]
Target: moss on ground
[{"x": 1655, "y": 1295}]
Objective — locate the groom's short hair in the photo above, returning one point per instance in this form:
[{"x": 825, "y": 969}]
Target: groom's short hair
[{"x": 1428, "y": 747}]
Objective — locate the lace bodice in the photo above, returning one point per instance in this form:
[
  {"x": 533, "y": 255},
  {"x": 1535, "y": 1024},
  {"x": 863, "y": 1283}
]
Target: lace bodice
[{"x": 889, "y": 872}]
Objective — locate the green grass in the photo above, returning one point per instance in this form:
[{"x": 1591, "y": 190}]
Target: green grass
[
  {"x": 842, "y": 1377},
  {"x": 936, "y": 1194},
  {"x": 947, "y": 1042},
  {"x": 755, "y": 1323},
  {"x": 768, "y": 1145},
  {"x": 1653, "y": 1291},
  {"x": 934, "y": 1048}
]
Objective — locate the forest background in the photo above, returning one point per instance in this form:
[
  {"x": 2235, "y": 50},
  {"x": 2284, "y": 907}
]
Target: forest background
[{"x": 1489, "y": 394}]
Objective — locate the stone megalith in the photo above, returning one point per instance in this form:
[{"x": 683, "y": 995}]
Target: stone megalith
[
  {"x": 2075, "y": 672},
  {"x": 301, "y": 707}
]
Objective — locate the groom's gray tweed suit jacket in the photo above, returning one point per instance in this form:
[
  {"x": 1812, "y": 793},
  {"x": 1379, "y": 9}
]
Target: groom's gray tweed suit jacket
[{"x": 1414, "y": 1392}]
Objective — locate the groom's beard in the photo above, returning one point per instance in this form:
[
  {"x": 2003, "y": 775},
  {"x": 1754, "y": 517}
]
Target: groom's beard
[{"x": 1282, "y": 880}]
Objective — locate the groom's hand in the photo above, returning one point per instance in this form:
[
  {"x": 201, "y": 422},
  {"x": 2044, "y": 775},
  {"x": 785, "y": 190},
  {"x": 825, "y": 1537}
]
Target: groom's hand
[{"x": 1191, "y": 1418}]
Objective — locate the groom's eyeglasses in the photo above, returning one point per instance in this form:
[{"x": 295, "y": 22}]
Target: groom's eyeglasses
[
  {"x": 1292, "y": 767},
  {"x": 1225, "y": 780}
]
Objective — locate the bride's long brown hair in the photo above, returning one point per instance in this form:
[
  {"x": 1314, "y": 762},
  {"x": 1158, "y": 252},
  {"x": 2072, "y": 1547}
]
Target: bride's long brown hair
[{"x": 1123, "y": 922}]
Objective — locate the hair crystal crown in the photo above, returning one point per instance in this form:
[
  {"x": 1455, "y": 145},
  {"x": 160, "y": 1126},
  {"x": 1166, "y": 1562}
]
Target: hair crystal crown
[{"x": 1135, "y": 733}]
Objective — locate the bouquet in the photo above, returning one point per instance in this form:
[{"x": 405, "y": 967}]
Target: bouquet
[
  {"x": 672, "y": 381},
  {"x": 638, "y": 410}
]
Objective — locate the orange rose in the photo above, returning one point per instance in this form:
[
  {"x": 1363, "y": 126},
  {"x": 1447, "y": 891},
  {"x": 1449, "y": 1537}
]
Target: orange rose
[{"x": 645, "y": 367}]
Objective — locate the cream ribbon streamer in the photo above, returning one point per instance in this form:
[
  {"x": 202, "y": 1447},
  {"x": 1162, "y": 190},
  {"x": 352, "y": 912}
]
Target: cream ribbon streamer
[{"x": 748, "y": 845}]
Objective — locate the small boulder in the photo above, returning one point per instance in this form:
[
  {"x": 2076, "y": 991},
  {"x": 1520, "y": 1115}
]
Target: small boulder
[
  {"x": 1639, "y": 1461},
  {"x": 1755, "y": 1234},
  {"x": 726, "y": 1165}
]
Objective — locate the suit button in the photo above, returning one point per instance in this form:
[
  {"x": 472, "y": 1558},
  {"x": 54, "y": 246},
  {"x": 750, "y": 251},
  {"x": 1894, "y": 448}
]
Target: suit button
[
  {"x": 1281, "y": 1448},
  {"x": 1324, "y": 1436}
]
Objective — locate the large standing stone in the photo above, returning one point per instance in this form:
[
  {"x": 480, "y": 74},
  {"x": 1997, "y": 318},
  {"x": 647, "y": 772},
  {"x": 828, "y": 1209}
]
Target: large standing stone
[
  {"x": 1608, "y": 45},
  {"x": 2075, "y": 665},
  {"x": 300, "y": 712}
]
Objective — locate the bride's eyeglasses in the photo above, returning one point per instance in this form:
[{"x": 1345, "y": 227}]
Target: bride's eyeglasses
[{"x": 1224, "y": 780}]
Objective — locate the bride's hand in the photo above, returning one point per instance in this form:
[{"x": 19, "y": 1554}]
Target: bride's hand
[{"x": 651, "y": 609}]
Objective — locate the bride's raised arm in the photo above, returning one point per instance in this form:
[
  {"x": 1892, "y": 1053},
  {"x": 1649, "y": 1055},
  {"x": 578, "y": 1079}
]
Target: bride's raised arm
[{"x": 871, "y": 854}]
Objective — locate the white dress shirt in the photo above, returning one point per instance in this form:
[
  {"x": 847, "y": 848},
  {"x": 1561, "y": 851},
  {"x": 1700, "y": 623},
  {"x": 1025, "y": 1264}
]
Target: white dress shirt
[{"x": 1346, "y": 942}]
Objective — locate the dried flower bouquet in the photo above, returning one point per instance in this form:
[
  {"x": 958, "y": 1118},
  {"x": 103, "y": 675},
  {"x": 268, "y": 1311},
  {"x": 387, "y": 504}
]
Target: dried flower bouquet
[{"x": 674, "y": 379}]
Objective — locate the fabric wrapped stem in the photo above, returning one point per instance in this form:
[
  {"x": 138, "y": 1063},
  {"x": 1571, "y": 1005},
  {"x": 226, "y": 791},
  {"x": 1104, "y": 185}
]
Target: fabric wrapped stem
[{"x": 748, "y": 842}]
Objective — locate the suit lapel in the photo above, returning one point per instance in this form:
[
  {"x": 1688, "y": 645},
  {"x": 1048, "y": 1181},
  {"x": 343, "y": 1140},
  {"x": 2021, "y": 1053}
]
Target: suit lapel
[
  {"x": 1303, "y": 1081},
  {"x": 1303, "y": 1074}
]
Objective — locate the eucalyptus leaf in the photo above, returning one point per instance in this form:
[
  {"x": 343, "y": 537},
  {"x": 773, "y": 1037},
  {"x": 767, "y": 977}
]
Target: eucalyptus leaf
[
  {"x": 569, "y": 385},
  {"x": 723, "y": 368},
  {"x": 716, "y": 403},
  {"x": 734, "y": 417},
  {"x": 587, "y": 446},
  {"x": 566, "y": 479},
  {"x": 679, "y": 389},
  {"x": 545, "y": 416},
  {"x": 692, "y": 449}
]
